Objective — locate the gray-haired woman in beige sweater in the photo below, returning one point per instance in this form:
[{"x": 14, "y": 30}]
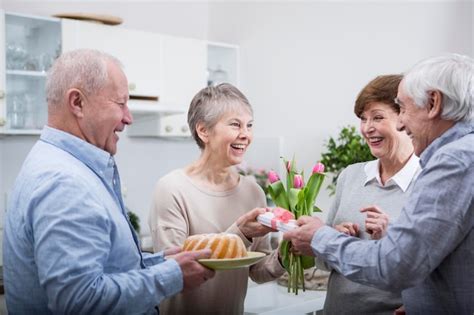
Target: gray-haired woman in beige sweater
[{"x": 210, "y": 196}]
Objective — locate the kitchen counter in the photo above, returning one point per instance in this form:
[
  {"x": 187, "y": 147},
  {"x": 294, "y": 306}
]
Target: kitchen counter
[{"x": 273, "y": 299}]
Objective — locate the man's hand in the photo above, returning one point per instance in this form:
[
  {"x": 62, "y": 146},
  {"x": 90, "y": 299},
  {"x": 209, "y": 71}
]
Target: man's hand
[
  {"x": 170, "y": 252},
  {"x": 376, "y": 222},
  {"x": 348, "y": 228},
  {"x": 301, "y": 237},
  {"x": 194, "y": 274},
  {"x": 250, "y": 227}
]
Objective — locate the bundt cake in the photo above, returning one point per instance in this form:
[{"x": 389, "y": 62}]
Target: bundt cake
[{"x": 223, "y": 245}]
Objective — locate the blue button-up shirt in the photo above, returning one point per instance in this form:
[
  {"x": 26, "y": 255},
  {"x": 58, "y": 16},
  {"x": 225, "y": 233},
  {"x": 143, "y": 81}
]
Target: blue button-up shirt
[
  {"x": 68, "y": 245},
  {"x": 430, "y": 248}
]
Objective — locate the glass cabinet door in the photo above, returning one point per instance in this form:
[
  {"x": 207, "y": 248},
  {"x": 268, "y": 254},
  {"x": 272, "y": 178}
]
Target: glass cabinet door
[{"x": 31, "y": 46}]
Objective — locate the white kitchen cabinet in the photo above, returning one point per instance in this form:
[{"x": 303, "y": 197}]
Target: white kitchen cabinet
[
  {"x": 29, "y": 47},
  {"x": 188, "y": 66},
  {"x": 140, "y": 52},
  {"x": 183, "y": 75},
  {"x": 3, "y": 112},
  {"x": 184, "y": 69},
  {"x": 222, "y": 63}
]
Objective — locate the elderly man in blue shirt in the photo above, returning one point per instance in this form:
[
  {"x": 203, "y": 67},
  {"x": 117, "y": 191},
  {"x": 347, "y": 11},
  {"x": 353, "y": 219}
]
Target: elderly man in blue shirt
[
  {"x": 429, "y": 252},
  {"x": 69, "y": 247}
]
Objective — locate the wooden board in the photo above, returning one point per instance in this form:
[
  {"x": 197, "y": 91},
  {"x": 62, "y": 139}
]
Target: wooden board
[{"x": 99, "y": 18}]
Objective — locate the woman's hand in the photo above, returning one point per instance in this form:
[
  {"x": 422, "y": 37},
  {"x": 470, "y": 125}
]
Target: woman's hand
[
  {"x": 348, "y": 228},
  {"x": 376, "y": 222},
  {"x": 250, "y": 227}
]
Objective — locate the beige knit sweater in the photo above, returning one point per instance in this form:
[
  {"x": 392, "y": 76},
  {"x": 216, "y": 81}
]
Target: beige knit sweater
[{"x": 181, "y": 208}]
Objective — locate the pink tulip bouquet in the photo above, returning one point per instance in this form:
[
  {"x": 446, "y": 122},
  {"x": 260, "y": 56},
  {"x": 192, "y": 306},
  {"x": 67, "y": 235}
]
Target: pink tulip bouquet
[{"x": 299, "y": 199}]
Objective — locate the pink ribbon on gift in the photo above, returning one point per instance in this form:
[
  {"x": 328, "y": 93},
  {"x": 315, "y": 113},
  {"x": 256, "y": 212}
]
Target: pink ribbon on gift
[{"x": 281, "y": 215}]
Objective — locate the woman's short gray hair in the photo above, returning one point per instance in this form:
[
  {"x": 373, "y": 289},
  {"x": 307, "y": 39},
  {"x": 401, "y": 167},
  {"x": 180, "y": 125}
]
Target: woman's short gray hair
[
  {"x": 453, "y": 76},
  {"x": 85, "y": 69},
  {"x": 211, "y": 103}
]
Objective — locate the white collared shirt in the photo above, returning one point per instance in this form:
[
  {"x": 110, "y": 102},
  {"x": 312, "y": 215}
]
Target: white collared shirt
[{"x": 402, "y": 178}]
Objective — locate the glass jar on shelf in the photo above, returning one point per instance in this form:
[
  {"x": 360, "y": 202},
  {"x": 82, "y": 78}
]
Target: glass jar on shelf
[{"x": 31, "y": 46}]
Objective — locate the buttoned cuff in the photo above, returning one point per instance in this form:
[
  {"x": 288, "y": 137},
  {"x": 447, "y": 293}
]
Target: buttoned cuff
[
  {"x": 321, "y": 238},
  {"x": 153, "y": 259},
  {"x": 169, "y": 277}
]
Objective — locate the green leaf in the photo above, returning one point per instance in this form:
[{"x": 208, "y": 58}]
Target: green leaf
[
  {"x": 307, "y": 262},
  {"x": 317, "y": 209},
  {"x": 312, "y": 188},
  {"x": 293, "y": 194},
  {"x": 285, "y": 254},
  {"x": 349, "y": 148},
  {"x": 278, "y": 194}
]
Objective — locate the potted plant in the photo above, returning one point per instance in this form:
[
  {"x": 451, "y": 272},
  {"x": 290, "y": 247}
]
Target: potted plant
[
  {"x": 347, "y": 149},
  {"x": 134, "y": 220}
]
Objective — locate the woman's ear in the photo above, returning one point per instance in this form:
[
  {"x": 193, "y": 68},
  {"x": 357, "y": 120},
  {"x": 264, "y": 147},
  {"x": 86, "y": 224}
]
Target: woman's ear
[
  {"x": 435, "y": 104},
  {"x": 75, "y": 101},
  {"x": 202, "y": 132}
]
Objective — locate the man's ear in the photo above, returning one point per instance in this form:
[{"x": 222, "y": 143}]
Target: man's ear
[
  {"x": 75, "y": 102},
  {"x": 435, "y": 104},
  {"x": 202, "y": 132}
]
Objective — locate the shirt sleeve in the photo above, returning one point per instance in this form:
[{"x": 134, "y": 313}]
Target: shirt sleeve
[
  {"x": 72, "y": 238},
  {"x": 153, "y": 259},
  {"x": 432, "y": 224},
  {"x": 320, "y": 263}
]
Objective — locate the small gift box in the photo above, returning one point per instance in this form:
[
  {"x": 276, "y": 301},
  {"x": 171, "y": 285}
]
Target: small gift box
[{"x": 278, "y": 219}]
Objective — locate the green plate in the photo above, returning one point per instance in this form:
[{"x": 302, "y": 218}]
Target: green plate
[{"x": 232, "y": 263}]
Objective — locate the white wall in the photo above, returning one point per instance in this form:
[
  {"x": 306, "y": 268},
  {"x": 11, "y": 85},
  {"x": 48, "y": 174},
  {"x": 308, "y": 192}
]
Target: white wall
[
  {"x": 178, "y": 18},
  {"x": 302, "y": 64}
]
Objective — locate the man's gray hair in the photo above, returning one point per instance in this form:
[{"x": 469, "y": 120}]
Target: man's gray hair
[
  {"x": 453, "y": 76},
  {"x": 211, "y": 103},
  {"x": 84, "y": 69}
]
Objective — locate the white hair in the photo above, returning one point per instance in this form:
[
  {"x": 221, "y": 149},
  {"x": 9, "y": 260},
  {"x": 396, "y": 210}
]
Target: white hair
[
  {"x": 211, "y": 103},
  {"x": 453, "y": 76},
  {"x": 84, "y": 69}
]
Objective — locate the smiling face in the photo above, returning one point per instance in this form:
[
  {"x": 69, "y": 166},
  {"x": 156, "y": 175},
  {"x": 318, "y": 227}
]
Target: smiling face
[
  {"x": 378, "y": 125},
  {"x": 414, "y": 120},
  {"x": 230, "y": 137},
  {"x": 106, "y": 113}
]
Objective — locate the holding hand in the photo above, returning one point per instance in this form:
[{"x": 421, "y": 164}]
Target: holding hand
[
  {"x": 348, "y": 228},
  {"x": 194, "y": 274},
  {"x": 376, "y": 222},
  {"x": 172, "y": 251},
  {"x": 301, "y": 237},
  {"x": 250, "y": 227}
]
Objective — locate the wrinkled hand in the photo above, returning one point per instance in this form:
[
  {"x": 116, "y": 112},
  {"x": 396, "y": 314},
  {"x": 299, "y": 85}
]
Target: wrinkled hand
[
  {"x": 348, "y": 228},
  {"x": 250, "y": 227},
  {"x": 376, "y": 222},
  {"x": 194, "y": 274},
  {"x": 301, "y": 236},
  {"x": 170, "y": 252}
]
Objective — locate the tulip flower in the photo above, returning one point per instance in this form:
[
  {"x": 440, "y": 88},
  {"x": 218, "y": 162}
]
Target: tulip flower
[
  {"x": 273, "y": 177},
  {"x": 318, "y": 168},
  {"x": 298, "y": 181},
  {"x": 298, "y": 198}
]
